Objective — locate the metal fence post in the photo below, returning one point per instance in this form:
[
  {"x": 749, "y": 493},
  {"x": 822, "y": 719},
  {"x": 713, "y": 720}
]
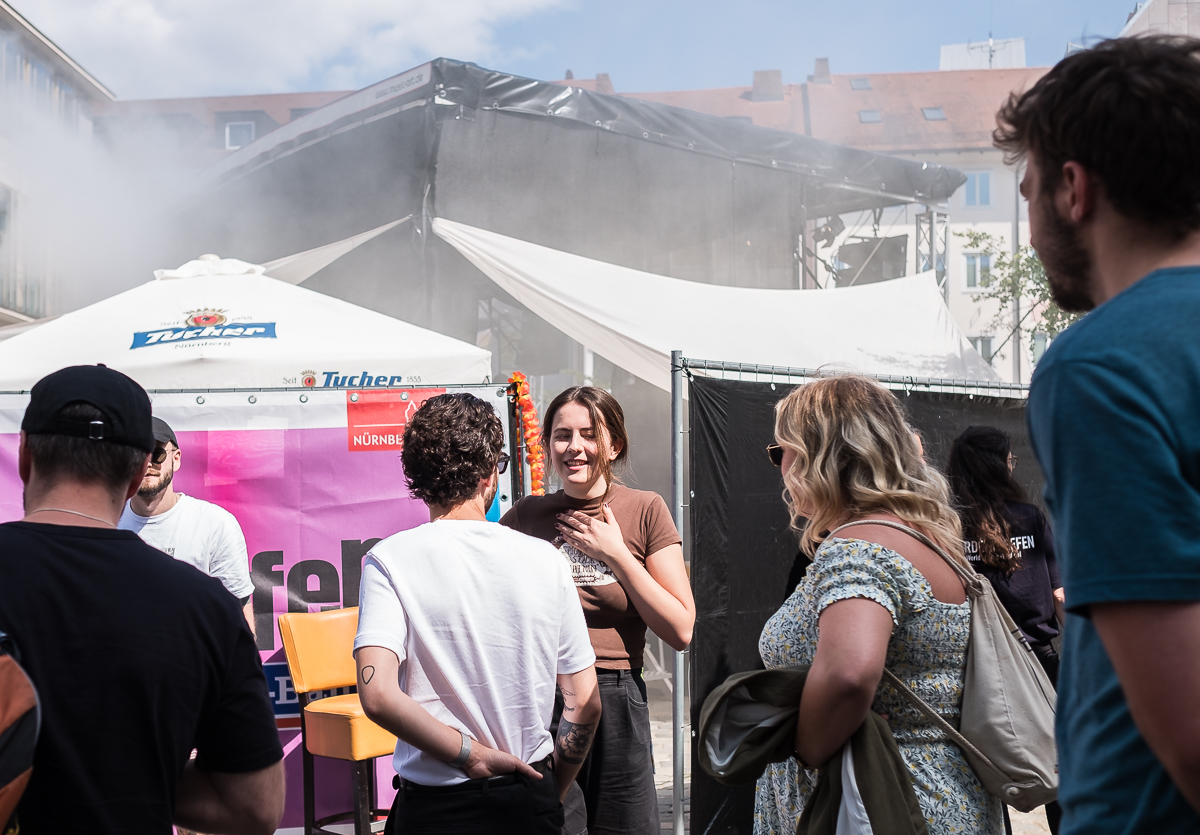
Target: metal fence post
[{"x": 678, "y": 685}]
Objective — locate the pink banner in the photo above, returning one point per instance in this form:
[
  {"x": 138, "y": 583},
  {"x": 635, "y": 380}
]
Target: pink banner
[{"x": 311, "y": 501}]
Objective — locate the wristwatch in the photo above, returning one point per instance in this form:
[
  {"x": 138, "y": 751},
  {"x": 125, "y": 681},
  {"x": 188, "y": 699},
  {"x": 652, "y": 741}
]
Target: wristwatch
[{"x": 464, "y": 753}]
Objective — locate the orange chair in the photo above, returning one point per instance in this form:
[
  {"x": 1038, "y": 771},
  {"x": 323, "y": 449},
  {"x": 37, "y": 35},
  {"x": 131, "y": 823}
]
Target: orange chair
[{"x": 319, "y": 650}]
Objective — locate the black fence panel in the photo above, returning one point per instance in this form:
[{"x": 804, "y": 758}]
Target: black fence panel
[{"x": 745, "y": 560}]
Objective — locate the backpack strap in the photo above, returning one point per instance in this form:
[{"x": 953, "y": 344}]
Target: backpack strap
[
  {"x": 974, "y": 588},
  {"x": 938, "y": 720},
  {"x": 969, "y": 578}
]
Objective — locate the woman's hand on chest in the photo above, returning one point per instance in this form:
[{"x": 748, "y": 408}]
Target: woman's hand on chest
[{"x": 599, "y": 538}]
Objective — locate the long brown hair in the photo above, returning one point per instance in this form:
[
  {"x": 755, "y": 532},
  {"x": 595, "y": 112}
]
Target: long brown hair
[
  {"x": 856, "y": 455},
  {"x": 608, "y": 425},
  {"x": 982, "y": 484}
]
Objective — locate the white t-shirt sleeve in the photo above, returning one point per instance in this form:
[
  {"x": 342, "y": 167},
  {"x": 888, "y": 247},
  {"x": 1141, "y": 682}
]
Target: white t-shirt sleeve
[
  {"x": 381, "y": 620},
  {"x": 229, "y": 561},
  {"x": 575, "y": 651}
]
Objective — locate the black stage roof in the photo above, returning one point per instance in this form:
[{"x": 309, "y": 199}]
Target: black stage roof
[{"x": 840, "y": 179}]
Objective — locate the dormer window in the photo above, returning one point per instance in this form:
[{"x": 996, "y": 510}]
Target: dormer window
[
  {"x": 933, "y": 114},
  {"x": 869, "y": 116},
  {"x": 860, "y": 84}
]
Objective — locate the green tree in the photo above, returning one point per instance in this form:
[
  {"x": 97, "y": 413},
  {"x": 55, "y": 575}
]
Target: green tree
[{"x": 1017, "y": 277}]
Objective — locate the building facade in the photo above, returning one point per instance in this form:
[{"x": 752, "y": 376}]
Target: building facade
[
  {"x": 944, "y": 117},
  {"x": 40, "y": 85},
  {"x": 1164, "y": 17},
  {"x": 191, "y": 134}
]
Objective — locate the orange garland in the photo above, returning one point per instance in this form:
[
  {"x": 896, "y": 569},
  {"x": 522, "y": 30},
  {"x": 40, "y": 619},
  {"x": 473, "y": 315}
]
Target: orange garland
[{"x": 535, "y": 457}]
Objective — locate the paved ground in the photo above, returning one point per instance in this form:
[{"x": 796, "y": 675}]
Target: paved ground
[
  {"x": 660, "y": 729},
  {"x": 1032, "y": 823}
]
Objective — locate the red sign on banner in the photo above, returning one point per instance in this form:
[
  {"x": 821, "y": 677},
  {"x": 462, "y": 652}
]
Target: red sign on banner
[{"x": 375, "y": 420}]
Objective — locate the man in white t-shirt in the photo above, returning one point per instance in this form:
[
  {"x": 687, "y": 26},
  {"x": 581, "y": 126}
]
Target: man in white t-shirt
[
  {"x": 190, "y": 530},
  {"x": 464, "y": 629}
]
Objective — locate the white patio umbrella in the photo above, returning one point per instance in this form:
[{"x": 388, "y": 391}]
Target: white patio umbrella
[{"x": 221, "y": 323}]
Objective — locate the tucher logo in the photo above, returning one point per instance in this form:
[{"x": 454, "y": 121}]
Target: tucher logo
[
  {"x": 308, "y": 378},
  {"x": 200, "y": 325},
  {"x": 204, "y": 318}
]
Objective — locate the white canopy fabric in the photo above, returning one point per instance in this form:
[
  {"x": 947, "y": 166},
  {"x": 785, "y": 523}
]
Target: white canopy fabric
[
  {"x": 295, "y": 269},
  {"x": 221, "y": 323},
  {"x": 635, "y": 319}
]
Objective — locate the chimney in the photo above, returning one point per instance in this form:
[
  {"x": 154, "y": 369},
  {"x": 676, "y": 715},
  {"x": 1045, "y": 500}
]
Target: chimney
[
  {"x": 821, "y": 72},
  {"x": 569, "y": 76},
  {"x": 768, "y": 86},
  {"x": 603, "y": 83}
]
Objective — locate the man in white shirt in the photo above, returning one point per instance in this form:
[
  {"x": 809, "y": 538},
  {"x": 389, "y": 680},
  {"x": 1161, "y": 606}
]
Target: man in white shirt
[
  {"x": 464, "y": 629},
  {"x": 190, "y": 530}
]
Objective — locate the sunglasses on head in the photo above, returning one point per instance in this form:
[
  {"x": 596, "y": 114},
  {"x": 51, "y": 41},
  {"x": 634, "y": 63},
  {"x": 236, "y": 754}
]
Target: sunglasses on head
[
  {"x": 775, "y": 453},
  {"x": 502, "y": 464},
  {"x": 159, "y": 455}
]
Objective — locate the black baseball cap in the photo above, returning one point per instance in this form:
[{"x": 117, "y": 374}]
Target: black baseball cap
[
  {"x": 124, "y": 404},
  {"x": 163, "y": 432}
]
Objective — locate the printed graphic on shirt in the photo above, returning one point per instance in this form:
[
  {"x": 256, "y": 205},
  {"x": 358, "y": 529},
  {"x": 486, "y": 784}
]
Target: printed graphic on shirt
[
  {"x": 585, "y": 571},
  {"x": 1020, "y": 544}
]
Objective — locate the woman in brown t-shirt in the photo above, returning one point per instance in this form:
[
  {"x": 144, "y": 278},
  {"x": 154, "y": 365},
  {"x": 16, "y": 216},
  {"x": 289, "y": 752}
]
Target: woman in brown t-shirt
[{"x": 627, "y": 560}]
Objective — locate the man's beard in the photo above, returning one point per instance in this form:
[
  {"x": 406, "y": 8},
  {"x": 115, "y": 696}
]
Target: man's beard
[
  {"x": 490, "y": 496},
  {"x": 1067, "y": 263},
  {"x": 149, "y": 491}
]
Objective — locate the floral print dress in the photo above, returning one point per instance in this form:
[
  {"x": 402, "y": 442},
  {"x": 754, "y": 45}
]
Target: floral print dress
[{"x": 927, "y": 651}]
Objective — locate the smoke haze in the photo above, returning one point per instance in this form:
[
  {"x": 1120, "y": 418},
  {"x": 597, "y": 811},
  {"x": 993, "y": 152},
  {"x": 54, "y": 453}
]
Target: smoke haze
[{"x": 161, "y": 49}]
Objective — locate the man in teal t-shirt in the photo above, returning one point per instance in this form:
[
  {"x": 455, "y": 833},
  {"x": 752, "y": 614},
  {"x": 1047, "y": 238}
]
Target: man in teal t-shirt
[{"x": 1111, "y": 142}]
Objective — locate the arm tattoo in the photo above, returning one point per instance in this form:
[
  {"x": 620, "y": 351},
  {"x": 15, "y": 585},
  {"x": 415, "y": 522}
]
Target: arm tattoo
[
  {"x": 574, "y": 741},
  {"x": 368, "y": 673}
]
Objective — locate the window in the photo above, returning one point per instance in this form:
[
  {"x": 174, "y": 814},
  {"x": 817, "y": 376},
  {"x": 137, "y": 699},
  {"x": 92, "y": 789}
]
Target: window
[
  {"x": 933, "y": 114},
  {"x": 978, "y": 189},
  {"x": 1040, "y": 342},
  {"x": 868, "y": 116},
  {"x": 978, "y": 268},
  {"x": 982, "y": 344},
  {"x": 860, "y": 84},
  {"x": 238, "y": 134}
]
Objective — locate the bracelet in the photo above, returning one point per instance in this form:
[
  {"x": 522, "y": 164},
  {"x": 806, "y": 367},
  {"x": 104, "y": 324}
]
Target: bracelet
[{"x": 464, "y": 753}]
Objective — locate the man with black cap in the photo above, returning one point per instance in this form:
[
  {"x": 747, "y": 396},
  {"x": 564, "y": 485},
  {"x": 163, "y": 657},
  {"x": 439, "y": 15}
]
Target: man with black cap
[
  {"x": 138, "y": 659},
  {"x": 191, "y": 530}
]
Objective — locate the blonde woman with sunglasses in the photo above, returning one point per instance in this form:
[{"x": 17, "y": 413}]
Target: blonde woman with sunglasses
[{"x": 874, "y": 596}]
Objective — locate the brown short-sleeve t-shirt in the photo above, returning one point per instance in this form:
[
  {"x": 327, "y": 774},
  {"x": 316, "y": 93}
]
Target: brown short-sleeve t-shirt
[{"x": 617, "y": 630}]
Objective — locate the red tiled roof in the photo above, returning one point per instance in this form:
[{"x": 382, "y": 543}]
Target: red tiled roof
[{"x": 968, "y": 98}]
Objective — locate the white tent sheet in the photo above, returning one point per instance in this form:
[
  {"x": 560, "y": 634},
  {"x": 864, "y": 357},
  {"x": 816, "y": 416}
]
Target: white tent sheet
[
  {"x": 223, "y": 324},
  {"x": 635, "y": 319}
]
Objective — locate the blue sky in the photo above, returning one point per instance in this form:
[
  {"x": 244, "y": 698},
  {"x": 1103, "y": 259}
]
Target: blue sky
[
  {"x": 672, "y": 45},
  {"x": 165, "y": 48}
]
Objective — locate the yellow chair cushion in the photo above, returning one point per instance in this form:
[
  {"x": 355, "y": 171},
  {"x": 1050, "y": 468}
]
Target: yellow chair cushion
[{"x": 337, "y": 727}]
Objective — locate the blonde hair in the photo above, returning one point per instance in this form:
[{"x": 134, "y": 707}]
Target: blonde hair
[{"x": 856, "y": 456}]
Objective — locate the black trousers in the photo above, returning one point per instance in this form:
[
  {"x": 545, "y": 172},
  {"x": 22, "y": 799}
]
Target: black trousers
[
  {"x": 1049, "y": 661},
  {"x": 617, "y": 777},
  {"x": 510, "y": 804}
]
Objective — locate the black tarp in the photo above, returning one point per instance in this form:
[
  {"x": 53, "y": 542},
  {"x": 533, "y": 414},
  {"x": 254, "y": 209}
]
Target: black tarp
[
  {"x": 743, "y": 555},
  {"x": 845, "y": 179}
]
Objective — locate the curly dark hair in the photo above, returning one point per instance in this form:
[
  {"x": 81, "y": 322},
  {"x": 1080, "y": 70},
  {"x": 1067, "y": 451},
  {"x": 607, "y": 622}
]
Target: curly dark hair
[
  {"x": 451, "y": 442},
  {"x": 981, "y": 485},
  {"x": 1128, "y": 111}
]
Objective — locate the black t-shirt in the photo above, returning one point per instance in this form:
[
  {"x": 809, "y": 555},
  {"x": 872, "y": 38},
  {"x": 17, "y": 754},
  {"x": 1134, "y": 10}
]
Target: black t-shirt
[
  {"x": 137, "y": 659},
  {"x": 1028, "y": 594}
]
